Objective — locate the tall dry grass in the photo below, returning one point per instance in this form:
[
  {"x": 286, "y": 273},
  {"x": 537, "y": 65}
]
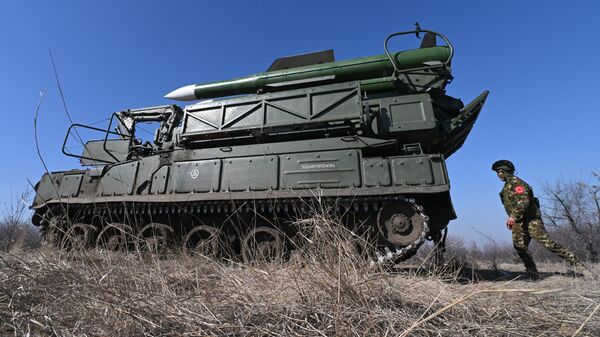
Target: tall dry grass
[{"x": 326, "y": 288}]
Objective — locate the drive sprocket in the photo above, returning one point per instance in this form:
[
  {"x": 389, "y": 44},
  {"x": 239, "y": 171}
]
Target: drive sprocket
[{"x": 404, "y": 227}]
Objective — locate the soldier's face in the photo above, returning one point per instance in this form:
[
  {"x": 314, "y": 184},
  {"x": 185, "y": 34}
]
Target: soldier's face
[{"x": 501, "y": 174}]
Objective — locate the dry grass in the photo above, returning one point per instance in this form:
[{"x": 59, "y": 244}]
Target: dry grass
[{"x": 318, "y": 292}]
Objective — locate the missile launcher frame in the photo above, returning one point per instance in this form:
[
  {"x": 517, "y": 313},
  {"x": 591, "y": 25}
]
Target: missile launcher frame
[{"x": 366, "y": 138}]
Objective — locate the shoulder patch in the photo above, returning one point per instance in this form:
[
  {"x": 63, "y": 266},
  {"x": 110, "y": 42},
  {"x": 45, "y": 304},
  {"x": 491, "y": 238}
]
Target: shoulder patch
[{"x": 519, "y": 189}]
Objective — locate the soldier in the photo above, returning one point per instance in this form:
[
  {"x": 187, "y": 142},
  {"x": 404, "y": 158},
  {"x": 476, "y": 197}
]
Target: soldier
[{"x": 525, "y": 218}]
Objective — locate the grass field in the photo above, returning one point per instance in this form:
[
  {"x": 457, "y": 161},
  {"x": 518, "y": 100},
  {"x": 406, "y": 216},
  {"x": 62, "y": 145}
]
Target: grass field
[{"x": 322, "y": 291}]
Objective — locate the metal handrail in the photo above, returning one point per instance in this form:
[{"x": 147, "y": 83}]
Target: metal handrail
[
  {"x": 115, "y": 133},
  {"x": 64, "y": 151},
  {"x": 398, "y": 71}
]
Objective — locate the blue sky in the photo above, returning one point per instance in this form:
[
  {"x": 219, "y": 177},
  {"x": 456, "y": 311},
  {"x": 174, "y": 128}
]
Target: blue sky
[{"x": 537, "y": 58}]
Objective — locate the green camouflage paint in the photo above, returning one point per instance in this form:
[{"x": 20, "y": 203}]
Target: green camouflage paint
[{"x": 520, "y": 204}]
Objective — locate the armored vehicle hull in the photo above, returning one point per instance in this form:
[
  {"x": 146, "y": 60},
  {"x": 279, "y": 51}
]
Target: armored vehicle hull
[{"x": 231, "y": 176}]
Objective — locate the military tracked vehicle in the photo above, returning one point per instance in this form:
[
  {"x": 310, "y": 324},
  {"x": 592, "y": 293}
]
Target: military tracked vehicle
[{"x": 365, "y": 137}]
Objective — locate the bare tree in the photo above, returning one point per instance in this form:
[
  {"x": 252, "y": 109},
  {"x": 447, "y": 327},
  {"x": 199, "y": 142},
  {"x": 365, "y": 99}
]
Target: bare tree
[{"x": 572, "y": 212}]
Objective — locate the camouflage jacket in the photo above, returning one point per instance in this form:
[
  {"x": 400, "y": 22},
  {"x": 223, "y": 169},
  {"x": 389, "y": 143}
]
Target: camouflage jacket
[{"x": 518, "y": 199}]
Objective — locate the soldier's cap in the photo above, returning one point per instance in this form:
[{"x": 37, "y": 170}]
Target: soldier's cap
[{"x": 503, "y": 164}]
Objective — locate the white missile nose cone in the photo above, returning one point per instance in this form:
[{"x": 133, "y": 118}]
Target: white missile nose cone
[{"x": 183, "y": 94}]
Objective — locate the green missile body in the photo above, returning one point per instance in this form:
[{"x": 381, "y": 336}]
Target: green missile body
[{"x": 364, "y": 68}]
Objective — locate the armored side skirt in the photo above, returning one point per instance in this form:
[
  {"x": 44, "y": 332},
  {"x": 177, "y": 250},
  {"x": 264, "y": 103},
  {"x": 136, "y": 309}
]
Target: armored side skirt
[{"x": 342, "y": 173}]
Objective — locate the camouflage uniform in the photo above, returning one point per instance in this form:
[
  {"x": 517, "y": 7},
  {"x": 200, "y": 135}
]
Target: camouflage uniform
[{"x": 520, "y": 204}]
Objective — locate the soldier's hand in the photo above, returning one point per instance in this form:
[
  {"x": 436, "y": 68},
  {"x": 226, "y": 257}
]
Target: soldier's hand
[{"x": 510, "y": 222}]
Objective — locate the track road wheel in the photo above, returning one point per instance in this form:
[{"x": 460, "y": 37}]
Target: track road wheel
[
  {"x": 203, "y": 240},
  {"x": 153, "y": 238},
  {"x": 263, "y": 244},
  {"x": 114, "y": 237},
  {"x": 77, "y": 237}
]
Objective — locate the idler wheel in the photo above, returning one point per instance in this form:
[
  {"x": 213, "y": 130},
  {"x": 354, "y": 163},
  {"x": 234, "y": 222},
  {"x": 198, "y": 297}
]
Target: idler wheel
[
  {"x": 153, "y": 238},
  {"x": 77, "y": 237},
  {"x": 114, "y": 237},
  {"x": 400, "y": 223},
  {"x": 263, "y": 244},
  {"x": 203, "y": 240}
]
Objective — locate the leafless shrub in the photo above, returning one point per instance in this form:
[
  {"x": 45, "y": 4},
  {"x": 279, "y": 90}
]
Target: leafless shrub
[
  {"x": 15, "y": 229},
  {"x": 572, "y": 212},
  {"x": 485, "y": 253}
]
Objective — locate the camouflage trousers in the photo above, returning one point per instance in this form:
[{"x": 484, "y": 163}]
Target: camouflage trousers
[{"x": 522, "y": 233}]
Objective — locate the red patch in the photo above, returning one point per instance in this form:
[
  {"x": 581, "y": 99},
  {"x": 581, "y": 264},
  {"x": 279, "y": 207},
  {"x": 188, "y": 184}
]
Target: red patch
[{"x": 519, "y": 190}]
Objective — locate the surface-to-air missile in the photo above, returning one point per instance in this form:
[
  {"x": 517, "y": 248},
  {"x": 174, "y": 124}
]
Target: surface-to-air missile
[
  {"x": 366, "y": 68},
  {"x": 365, "y": 139}
]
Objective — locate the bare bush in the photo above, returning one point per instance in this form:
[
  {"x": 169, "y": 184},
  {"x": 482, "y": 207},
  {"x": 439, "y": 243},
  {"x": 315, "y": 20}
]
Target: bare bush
[
  {"x": 15, "y": 229},
  {"x": 483, "y": 253},
  {"x": 572, "y": 212}
]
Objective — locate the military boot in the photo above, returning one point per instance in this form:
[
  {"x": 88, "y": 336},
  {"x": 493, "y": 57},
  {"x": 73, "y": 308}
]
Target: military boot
[
  {"x": 587, "y": 272},
  {"x": 583, "y": 269},
  {"x": 580, "y": 267},
  {"x": 532, "y": 273},
  {"x": 530, "y": 266}
]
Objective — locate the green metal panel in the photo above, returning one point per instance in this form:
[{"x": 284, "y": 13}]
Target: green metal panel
[
  {"x": 460, "y": 126},
  {"x": 148, "y": 166},
  {"x": 412, "y": 171},
  {"x": 350, "y": 70},
  {"x": 298, "y": 146},
  {"x": 376, "y": 172},
  {"x": 250, "y": 174},
  {"x": 406, "y": 113},
  {"x": 331, "y": 169},
  {"x": 120, "y": 179},
  {"x": 45, "y": 189},
  {"x": 195, "y": 176},
  {"x": 440, "y": 172},
  {"x": 276, "y": 112},
  {"x": 119, "y": 148},
  {"x": 159, "y": 180},
  {"x": 69, "y": 185}
]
